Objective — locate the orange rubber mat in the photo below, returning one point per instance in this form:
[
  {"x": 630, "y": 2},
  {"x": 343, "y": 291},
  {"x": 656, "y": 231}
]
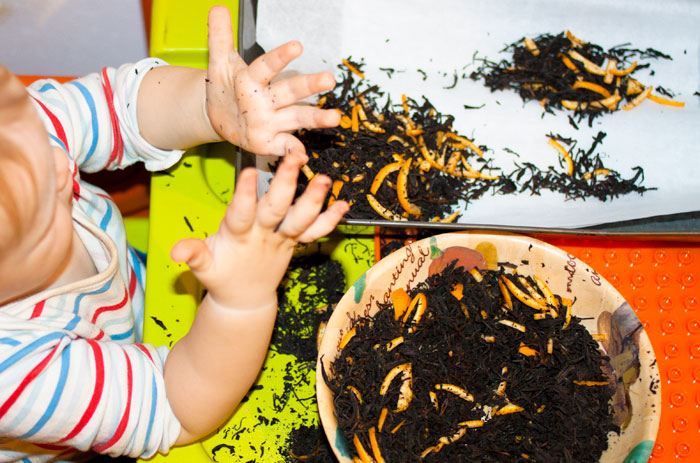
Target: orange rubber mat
[{"x": 659, "y": 278}]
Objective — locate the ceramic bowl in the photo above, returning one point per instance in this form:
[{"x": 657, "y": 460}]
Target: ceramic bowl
[{"x": 636, "y": 401}]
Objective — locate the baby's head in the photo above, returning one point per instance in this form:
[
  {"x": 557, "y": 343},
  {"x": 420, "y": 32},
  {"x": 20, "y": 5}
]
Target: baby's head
[{"x": 35, "y": 197}]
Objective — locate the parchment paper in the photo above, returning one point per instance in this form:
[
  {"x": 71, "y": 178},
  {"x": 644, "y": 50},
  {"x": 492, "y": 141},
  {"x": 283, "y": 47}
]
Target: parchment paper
[{"x": 441, "y": 38}]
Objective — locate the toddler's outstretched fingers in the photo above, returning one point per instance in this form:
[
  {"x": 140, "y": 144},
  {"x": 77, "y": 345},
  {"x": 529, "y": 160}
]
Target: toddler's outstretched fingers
[
  {"x": 240, "y": 214},
  {"x": 273, "y": 207},
  {"x": 220, "y": 39},
  {"x": 264, "y": 68},
  {"x": 324, "y": 223},
  {"x": 305, "y": 209},
  {"x": 194, "y": 252}
]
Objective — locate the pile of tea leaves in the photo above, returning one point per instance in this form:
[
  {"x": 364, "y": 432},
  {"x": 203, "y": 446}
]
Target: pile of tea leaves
[
  {"x": 485, "y": 366},
  {"x": 564, "y": 72},
  {"x": 405, "y": 161},
  {"x": 396, "y": 162},
  {"x": 582, "y": 173}
]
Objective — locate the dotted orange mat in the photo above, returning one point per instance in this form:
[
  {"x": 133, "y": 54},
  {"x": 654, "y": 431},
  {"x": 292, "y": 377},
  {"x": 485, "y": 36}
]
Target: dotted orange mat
[{"x": 659, "y": 279}]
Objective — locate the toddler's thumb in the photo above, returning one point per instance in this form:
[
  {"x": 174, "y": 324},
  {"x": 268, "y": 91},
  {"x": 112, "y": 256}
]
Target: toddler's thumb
[{"x": 192, "y": 251}]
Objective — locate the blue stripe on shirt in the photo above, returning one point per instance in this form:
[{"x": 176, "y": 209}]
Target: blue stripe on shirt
[
  {"x": 29, "y": 348},
  {"x": 82, "y": 295},
  {"x": 107, "y": 217},
  {"x": 65, "y": 363},
  {"x": 93, "y": 117}
]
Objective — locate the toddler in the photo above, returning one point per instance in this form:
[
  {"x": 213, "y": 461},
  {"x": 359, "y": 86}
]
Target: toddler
[{"x": 75, "y": 376}]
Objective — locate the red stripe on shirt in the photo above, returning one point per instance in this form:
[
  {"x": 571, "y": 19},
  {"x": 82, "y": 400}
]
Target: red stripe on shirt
[
  {"x": 58, "y": 127},
  {"x": 25, "y": 382},
  {"x": 38, "y": 308},
  {"x": 109, "y": 308},
  {"x": 125, "y": 417},
  {"x": 146, "y": 351},
  {"x": 96, "y": 393},
  {"x": 118, "y": 148},
  {"x": 132, "y": 282}
]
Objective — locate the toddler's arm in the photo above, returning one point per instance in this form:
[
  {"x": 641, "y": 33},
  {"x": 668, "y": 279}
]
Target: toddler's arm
[
  {"x": 181, "y": 107},
  {"x": 211, "y": 368}
]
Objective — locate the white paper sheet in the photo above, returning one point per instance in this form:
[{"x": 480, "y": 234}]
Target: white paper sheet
[{"x": 441, "y": 38}]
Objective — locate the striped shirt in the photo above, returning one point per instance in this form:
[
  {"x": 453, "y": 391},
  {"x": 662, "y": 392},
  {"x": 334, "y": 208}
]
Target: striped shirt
[{"x": 74, "y": 373}]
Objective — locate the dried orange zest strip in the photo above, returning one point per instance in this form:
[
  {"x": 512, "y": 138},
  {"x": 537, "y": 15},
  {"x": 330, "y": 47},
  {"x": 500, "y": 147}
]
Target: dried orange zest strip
[
  {"x": 549, "y": 296},
  {"x": 575, "y": 41},
  {"x": 532, "y": 46},
  {"x": 471, "y": 423},
  {"x": 520, "y": 295},
  {"x": 506, "y": 295},
  {"x": 356, "y": 393},
  {"x": 513, "y": 325},
  {"x": 591, "y": 383},
  {"x": 375, "y": 445},
  {"x": 599, "y": 337},
  {"x": 508, "y": 409},
  {"x": 550, "y": 345},
  {"x": 665, "y": 101},
  {"x": 382, "y": 418},
  {"x": 528, "y": 351},
  {"x": 568, "y": 63},
  {"x": 401, "y": 300},
  {"x": 383, "y": 211},
  {"x": 458, "y": 291},
  {"x": 623, "y": 72},
  {"x": 398, "y": 426},
  {"x": 402, "y": 190},
  {"x": 428, "y": 157},
  {"x": 450, "y": 218},
  {"x": 595, "y": 173},
  {"x": 404, "y": 101},
  {"x": 406, "y": 376},
  {"x": 638, "y": 99},
  {"x": 391, "y": 345},
  {"x": 465, "y": 143},
  {"x": 353, "y": 69},
  {"x": 355, "y": 125},
  {"x": 345, "y": 122},
  {"x": 418, "y": 305},
  {"x": 307, "y": 172},
  {"x": 533, "y": 292},
  {"x": 381, "y": 175},
  {"x": 567, "y": 304},
  {"x": 456, "y": 390},
  {"x": 393, "y": 138},
  {"x": 361, "y": 452},
  {"x": 335, "y": 191},
  {"x": 592, "y": 87},
  {"x": 346, "y": 338},
  {"x": 588, "y": 64},
  {"x": 565, "y": 154},
  {"x": 476, "y": 274}
]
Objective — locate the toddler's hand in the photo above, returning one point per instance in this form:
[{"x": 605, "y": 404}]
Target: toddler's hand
[
  {"x": 242, "y": 264},
  {"x": 246, "y": 109}
]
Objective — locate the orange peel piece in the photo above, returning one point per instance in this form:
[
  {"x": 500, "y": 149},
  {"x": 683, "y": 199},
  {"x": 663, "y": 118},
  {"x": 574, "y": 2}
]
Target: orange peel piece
[
  {"x": 665, "y": 101},
  {"x": 400, "y": 300},
  {"x": 353, "y": 69},
  {"x": 361, "y": 452},
  {"x": 597, "y": 88},
  {"x": 595, "y": 173},
  {"x": 381, "y": 175},
  {"x": 374, "y": 444},
  {"x": 383, "y": 211},
  {"x": 638, "y": 99},
  {"x": 564, "y": 154}
]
